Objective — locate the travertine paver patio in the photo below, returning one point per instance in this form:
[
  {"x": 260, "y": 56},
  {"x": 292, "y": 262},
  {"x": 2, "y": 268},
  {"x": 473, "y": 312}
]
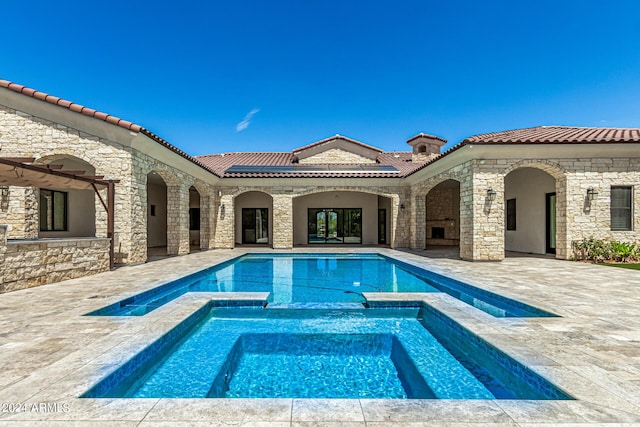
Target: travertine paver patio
[{"x": 50, "y": 353}]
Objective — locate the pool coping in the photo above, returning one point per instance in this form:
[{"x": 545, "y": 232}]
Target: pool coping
[{"x": 607, "y": 387}]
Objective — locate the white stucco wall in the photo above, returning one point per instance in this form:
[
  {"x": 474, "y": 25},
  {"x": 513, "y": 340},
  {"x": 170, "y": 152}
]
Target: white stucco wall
[
  {"x": 529, "y": 187},
  {"x": 339, "y": 199}
]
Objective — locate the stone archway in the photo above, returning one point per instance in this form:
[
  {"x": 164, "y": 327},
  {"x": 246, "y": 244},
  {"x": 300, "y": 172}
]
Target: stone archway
[
  {"x": 442, "y": 216},
  {"x": 157, "y": 214},
  {"x": 530, "y": 200},
  {"x": 344, "y": 216},
  {"x": 253, "y": 218}
]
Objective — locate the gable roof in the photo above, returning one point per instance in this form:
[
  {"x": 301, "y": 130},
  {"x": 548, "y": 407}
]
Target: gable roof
[
  {"x": 337, "y": 142},
  {"x": 335, "y": 138},
  {"x": 557, "y": 135},
  {"x": 90, "y": 112}
]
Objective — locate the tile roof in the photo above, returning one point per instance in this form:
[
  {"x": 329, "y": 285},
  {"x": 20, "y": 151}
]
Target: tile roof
[
  {"x": 426, "y": 135},
  {"x": 557, "y": 135},
  {"x": 219, "y": 163},
  {"x": 81, "y": 109}
]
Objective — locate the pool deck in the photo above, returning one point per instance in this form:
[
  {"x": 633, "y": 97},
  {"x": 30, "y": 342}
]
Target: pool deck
[{"x": 50, "y": 353}]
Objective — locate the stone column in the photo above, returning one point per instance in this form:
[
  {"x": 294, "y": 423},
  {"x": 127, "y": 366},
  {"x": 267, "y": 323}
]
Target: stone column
[
  {"x": 563, "y": 240},
  {"x": 205, "y": 221},
  {"x": 393, "y": 220},
  {"x": 418, "y": 220},
  {"x": 177, "y": 220},
  {"x": 225, "y": 223},
  {"x": 282, "y": 221},
  {"x": 488, "y": 217}
]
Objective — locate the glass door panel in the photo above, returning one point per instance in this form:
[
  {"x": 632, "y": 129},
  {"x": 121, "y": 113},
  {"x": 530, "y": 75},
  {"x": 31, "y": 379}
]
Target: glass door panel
[
  {"x": 334, "y": 225},
  {"x": 255, "y": 225}
]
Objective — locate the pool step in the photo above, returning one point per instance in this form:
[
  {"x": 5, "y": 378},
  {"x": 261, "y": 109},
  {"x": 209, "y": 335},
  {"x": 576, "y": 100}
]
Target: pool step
[{"x": 316, "y": 305}]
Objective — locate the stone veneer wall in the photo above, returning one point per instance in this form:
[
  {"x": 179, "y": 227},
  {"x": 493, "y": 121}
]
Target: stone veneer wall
[
  {"x": 283, "y": 212},
  {"x": 26, "y": 264},
  {"x": 19, "y": 210},
  {"x": 24, "y": 135},
  {"x": 335, "y": 155},
  {"x": 482, "y": 223},
  {"x": 178, "y": 184}
]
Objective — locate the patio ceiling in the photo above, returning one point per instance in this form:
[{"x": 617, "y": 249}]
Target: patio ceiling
[{"x": 20, "y": 172}]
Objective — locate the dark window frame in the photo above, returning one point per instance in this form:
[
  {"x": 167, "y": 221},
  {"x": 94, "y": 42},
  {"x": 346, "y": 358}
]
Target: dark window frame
[
  {"x": 628, "y": 210},
  {"x": 511, "y": 215},
  {"x": 52, "y": 219}
]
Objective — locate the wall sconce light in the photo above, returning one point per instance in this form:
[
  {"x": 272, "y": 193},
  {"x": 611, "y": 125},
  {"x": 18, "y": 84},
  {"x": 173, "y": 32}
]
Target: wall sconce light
[
  {"x": 219, "y": 193},
  {"x": 402, "y": 206},
  {"x": 592, "y": 194},
  {"x": 491, "y": 194},
  {"x": 222, "y": 211},
  {"x": 4, "y": 191}
]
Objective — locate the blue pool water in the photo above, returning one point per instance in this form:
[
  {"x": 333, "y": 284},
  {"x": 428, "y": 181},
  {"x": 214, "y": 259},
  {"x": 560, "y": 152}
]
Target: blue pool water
[
  {"x": 316, "y": 278},
  {"x": 392, "y": 353}
]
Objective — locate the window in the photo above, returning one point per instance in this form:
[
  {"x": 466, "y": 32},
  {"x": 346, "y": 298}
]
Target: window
[
  {"x": 621, "y": 216},
  {"x": 53, "y": 210},
  {"x": 511, "y": 214},
  {"x": 194, "y": 218}
]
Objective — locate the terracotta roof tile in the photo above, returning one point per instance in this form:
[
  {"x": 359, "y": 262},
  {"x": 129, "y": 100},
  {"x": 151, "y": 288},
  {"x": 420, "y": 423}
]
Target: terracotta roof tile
[
  {"x": 219, "y": 163},
  {"x": 558, "y": 135},
  {"x": 426, "y": 135}
]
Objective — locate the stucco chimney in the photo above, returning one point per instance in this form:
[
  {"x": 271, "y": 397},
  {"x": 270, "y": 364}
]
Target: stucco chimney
[{"x": 425, "y": 147}]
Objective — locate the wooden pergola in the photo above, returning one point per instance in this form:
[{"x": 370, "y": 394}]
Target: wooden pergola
[{"x": 21, "y": 172}]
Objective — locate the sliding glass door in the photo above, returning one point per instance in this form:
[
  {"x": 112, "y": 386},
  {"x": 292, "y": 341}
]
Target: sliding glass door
[
  {"x": 334, "y": 225},
  {"x": 255, "y": 225}
]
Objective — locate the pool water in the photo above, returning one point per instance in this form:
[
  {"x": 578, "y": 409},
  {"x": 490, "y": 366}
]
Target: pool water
[
  {"x": 390, "y": 353},
  {"x": 295, "y": 279},
  {"x": 325, "y": 366}
]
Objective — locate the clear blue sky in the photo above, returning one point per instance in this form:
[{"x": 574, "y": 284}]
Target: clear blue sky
[{"x": 379, "y": 72}]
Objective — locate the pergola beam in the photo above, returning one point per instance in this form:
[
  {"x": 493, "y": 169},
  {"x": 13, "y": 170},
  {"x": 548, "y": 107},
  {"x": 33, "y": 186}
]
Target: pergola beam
[{"x": 19, "y": 172}]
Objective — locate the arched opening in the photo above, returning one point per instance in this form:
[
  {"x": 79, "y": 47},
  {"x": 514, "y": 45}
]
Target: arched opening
[
  {"x": 156, "y": 215},
  {"x": 442, "y": 204},
  {"x": 530, "y": 211},
  {"x": 66, "y": 212},
  {"x": 341, "y": 217},
  {"x": 194, "y": 220},
  {"x": 422, "y": 149},
  {"x": 253, "y": 218}
]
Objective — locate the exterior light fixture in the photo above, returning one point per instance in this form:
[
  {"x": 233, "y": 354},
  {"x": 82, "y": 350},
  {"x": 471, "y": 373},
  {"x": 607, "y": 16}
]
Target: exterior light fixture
[
  {"x": 592, "y": 194},
  {"x": 402, "y": 206},
  {"x": 491, "y": 194},
  {"x": 4, "y": 191}
]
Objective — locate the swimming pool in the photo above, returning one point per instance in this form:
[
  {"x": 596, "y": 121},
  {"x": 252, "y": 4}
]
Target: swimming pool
[
  {"x": 413, "y": 352},
  {"x": 293, "y": 279}
]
